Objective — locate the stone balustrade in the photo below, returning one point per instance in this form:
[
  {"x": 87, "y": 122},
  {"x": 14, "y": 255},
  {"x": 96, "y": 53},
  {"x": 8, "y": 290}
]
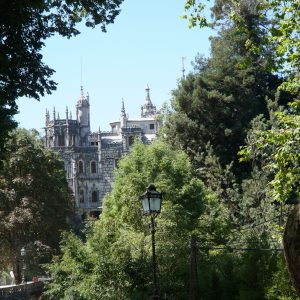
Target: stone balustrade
[{"x": 26, "y": 291}]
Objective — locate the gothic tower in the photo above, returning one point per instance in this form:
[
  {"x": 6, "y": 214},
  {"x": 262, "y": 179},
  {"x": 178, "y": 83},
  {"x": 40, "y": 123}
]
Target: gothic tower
[{"x": 83, "y": 116}]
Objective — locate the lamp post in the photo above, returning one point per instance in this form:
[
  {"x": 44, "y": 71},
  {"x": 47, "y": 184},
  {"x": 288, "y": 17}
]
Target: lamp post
[
  {"x": 23, "y": 254},
  {"x": 151, "y": 201}
]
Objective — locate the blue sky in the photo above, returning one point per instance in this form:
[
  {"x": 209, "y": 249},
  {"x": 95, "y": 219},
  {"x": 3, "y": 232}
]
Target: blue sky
[{"x": 144, "y": 46}]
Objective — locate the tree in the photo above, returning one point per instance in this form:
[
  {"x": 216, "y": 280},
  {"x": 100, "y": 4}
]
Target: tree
[
  {"x": 278, "y": 148},
  {"x": 119, "y": 244},
  {"x": 35, "y": 201},
  {"x": 24, "y": 27},
  {"x": 213, "y": 106},
  {"x": 280, "y": 142}
]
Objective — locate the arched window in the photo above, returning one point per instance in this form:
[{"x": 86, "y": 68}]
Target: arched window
[
  {"x": 94, "y": 196},
  {"x": 93, "y": 167},
  {"x": 80, "y": 166},
  {"x": 81, "y": 196}
]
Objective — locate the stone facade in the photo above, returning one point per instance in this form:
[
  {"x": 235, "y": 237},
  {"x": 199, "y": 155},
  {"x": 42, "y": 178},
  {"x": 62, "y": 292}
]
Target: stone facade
[{"x": 91, "y": 157}]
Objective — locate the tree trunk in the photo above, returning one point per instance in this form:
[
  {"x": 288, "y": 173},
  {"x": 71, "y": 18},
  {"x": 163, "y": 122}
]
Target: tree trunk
[{"x": 291, "y": 242}]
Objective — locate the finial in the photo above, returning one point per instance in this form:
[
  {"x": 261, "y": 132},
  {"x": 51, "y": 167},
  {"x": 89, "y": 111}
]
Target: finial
[
  {"x": 99, "y": 131},
  {"x": 54, "y": 117},
  {"x": 70, "y": 115},
  {"x": 81, "y": 90},
  {"x": 67, "y": 113},
  {"x": 58, "y": 118}
]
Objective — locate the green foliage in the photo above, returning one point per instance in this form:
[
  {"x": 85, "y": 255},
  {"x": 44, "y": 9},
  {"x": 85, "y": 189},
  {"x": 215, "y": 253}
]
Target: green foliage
[
  {"x": 282, "y": 31},
  {"x": 120, "y": 243},
  {"x": 280, "y": 145},
  {"x": 33, "y": 193},
  {"x": 213, "y": 107},
  {"x": 115, "y": 261},
  {"x": 281, "y": 286},
  {"x": 25, "y": 25}
]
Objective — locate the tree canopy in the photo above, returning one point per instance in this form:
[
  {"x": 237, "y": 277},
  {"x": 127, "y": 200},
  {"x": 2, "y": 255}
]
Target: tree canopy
[
  {"x": 117, "y": 255},
  {"x": 282, "y": 32},
  {"x": 35, "y": 201}
]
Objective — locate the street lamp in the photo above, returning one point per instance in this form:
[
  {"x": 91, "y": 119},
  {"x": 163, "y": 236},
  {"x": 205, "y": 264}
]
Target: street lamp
[
  {"x": 23, "y": 254},
  {"x": 151, "y": 201}
]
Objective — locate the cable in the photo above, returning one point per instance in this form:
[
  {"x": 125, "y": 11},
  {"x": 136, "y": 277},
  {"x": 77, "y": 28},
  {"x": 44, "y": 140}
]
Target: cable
[{"x": 231, "y": 249}]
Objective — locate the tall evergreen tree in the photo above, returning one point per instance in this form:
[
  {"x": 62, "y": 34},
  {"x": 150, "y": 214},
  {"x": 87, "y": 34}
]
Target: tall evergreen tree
[{"x": 216, "y": 103}]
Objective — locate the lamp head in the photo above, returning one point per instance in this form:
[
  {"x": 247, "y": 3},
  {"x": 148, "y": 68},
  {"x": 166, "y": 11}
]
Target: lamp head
[{"x": 151, "y": 201}]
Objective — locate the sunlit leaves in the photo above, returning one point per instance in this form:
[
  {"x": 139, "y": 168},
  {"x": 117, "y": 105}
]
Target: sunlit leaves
[{"x": 282, "y": 144}]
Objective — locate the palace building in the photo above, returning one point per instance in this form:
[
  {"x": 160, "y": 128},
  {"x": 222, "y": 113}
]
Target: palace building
[{"x": 91, "y": 157}]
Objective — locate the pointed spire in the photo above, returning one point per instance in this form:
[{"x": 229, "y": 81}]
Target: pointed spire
[
  {"x": 47, "y": 117},
  {"x": 123, "y": 118},
  {"x": 148, "y": 100},
  {"x": 54, "y": 117},
  {"x": 67, "y": 114},
  {"x": 123, "y": 112},
  {"x": 70, "y": 115},
  {"x": 99, "y": 137},
  {"x": 58, "y": 118},
  {"x": 83, "y": 99},
  {"x": 148, "y": 109}
]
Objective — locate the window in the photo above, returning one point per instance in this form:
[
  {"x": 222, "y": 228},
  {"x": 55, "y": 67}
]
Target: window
[
  {"x": 93, "y": 167},
  {"x": 151, "y": 126},
  {"x": 94, "y": 196},
  {"x": 131, "y": 140},
  {"x": 61, "y": 140},
  {"x": 80, "y": 166},
  {"x": 81, "y": 196}
]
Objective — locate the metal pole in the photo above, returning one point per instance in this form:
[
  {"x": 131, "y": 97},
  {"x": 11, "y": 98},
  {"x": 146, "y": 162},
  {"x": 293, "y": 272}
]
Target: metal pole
[
  {"x": 23, "y": 269},
  {"x": 155, "y": 296}
]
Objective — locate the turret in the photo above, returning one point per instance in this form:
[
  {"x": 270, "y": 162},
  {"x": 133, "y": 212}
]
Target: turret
[
  {"x": 83, "y": 114},
  {"x": 148, "y": 109},
  {"x": 83, "y": 110}
]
